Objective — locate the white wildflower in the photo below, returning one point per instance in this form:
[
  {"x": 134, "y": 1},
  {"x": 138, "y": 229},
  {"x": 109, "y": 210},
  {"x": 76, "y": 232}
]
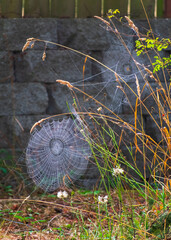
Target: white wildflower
[
  {"x": 60, "y": 194},
  {"x": 65, "y": 194},
  {"x": 105, "y": 199},
  {"x": 117, "y": 171},
  {"x": 102, "y": 200}
]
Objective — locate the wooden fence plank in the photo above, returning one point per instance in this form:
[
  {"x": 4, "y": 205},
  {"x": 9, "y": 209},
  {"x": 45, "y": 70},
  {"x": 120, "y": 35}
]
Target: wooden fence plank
[
  {"x": 36, "y": 8},
  {"x": 11, "y": 8},
  {"x": 63, "y": 8},
  {"x": 160, "y": 8},
  {"x": 122, "y": 5},
  {"x": 88, "y": 8},
  {"x": 137, "y": 10},
  {"x": 168, "y": 8}
]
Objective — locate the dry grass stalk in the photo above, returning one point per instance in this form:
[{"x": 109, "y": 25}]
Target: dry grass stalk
[
  {"x": 106, "y": 22},
  {"x": 19, "y": 124},
  {"x": 150, "y": 74},
  {"x": 138, "y": 87},
  {"x": 147, "y": 70},
  {"x": 27, "y": 44},
  {"x": 116, "y": 76},
  {"x": 132, "y": 25},
  {"x": 120, "y": 87},
  {"x": 32, "y": 45},
  {"x": 36, "y": 124},
  {"x": 65, "y": 83},
  {"x": 44, "y": 56},
  {"x": 142, "y": 39}
]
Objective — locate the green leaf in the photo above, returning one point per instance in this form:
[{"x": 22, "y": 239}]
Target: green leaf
[
  {"x": 51, "y": 196},
  {"x": 4, "y": 170},
  {"x": 116, "y": 11}
]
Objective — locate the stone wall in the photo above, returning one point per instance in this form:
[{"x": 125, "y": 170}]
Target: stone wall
[{"x": 28, "y": 88}]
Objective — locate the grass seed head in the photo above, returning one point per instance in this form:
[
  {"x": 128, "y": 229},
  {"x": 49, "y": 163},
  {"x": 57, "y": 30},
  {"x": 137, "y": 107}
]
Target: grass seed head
[
  {"x": 99, "y": 109},
  {"x": 27, "y": 44},
  {"x": 138, "y": 87},
  {"x": 44, "y": 56},
  {"x": 132, "y": 25},
  {"x": 65, "y": 83},
  {"x": 103, "y": 20}
]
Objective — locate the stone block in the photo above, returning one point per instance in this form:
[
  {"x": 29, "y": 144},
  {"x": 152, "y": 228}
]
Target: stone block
[
  {"x": 154, "y": 126},
  {"x": 109, "y": 97},
  {"x": 142, "y": 24},
  {"x": 63, "y": 97},
  {"x": 119, "y": 128},
  {"x": 123, "y": 127},
  {"x": 118, "y": 61},
  {"x": 6, "y": 66},
  {"x": 121, "y": 63},
  {"x": 16, "y": 31},
  {"x": 115, "y": 61},
  {"x": 15, "y": 131},
  {"x": 82, "y": 34},
  {"x": 3, "y": 43},
  {"x": 23, "y": 98},
  {"x": 120, "y": 35},
  {"x": 149, "y": 102},
  {"x": 161, "y": 27},
  {"x": 128, "y": 65},
  {"x": 148, "y": 158},
  {"x": 59, "y": 64},
  {"x": 5, "y": 134}
]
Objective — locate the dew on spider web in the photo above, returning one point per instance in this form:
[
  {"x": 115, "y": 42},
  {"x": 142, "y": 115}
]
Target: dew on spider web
[{"x": 57, "y": 154}]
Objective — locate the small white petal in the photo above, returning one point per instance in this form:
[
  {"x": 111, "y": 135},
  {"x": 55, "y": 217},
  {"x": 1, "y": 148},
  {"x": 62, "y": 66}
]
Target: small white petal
[
  {"x": 100, "y": 199},
  {"x": 59, "y": 194},
  {"x": 65, "y": 194},
  {"x": 117, "y": 171},
  {"x": 106, "y": 199}
]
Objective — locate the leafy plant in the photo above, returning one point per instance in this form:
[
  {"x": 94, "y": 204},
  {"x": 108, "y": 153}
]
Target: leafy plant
[{"x": 146, "y": 44}]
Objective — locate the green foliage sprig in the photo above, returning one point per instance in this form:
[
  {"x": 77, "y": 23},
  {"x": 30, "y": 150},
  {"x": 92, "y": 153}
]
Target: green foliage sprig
[
  {"x": 158, "y": 45},
  {"x": 112, "y": 13}
]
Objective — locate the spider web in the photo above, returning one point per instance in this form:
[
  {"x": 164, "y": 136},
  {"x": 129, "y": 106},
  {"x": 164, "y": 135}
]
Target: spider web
[{"x": 59, "y": 153}]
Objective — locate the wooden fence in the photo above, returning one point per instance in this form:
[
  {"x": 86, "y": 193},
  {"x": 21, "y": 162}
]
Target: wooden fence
[{"x": 83, "y": 8}]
